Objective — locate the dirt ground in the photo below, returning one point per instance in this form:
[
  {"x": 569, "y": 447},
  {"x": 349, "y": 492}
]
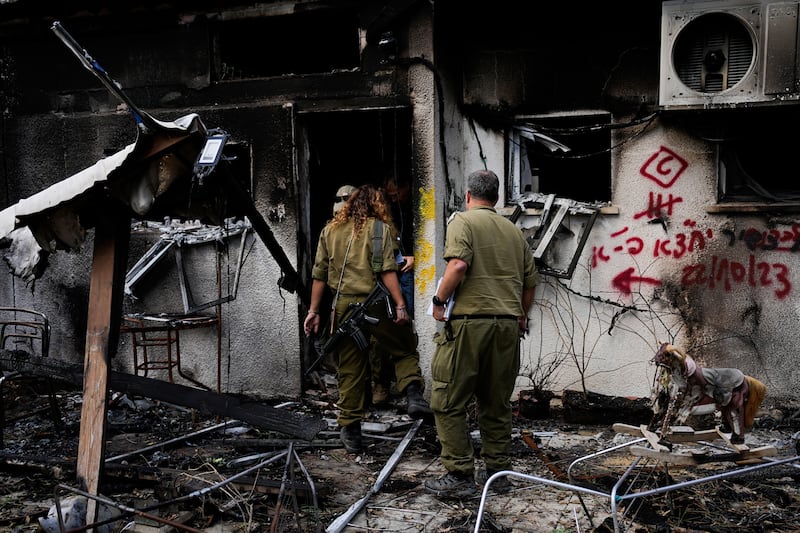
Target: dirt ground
[{"x": 166, "y": 463}]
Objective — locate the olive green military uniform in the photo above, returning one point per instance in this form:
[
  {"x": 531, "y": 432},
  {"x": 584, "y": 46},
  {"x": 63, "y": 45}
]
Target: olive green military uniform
[
  {"x": 336, "y": 253},
  {"x": 477, "y": 352},
  {"x": 380, "y": 361}
]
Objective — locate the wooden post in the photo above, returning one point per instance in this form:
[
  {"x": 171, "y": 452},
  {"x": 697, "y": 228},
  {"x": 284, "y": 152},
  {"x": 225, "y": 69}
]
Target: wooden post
[{"x": 112, "y": 235}]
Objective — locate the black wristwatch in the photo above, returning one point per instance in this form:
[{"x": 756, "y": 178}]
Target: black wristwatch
[{"x": 437, "y": 301}]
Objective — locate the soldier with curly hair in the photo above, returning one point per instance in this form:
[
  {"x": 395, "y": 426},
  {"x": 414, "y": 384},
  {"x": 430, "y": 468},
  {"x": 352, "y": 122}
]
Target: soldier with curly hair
[{"x": 345, "y": 264}]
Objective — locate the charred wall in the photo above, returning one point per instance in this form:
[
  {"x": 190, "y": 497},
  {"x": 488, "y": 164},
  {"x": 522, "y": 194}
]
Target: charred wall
[{"x": 241, "y": 69}]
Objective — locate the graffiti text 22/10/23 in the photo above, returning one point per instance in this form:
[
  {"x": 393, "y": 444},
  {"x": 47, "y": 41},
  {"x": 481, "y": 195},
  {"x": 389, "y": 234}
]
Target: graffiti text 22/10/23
[{"x": 725, "y": 272}]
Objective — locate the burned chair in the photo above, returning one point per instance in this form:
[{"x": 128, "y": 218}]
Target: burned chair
[{"x": 28, "y": 331}]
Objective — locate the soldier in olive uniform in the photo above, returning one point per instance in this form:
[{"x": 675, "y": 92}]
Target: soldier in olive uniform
[
  {"x": 345, "y": 264},
  {"x": 491, "y": 272}
]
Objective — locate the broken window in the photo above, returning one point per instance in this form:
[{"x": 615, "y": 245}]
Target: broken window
[
  {"x": 556, "y": 220},
  {"x": 754, "y": 155},
  {"x": 560, "y": 173},
  {"x": 568, "y": 155}
]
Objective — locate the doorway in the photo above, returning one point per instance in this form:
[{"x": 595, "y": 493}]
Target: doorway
[{"x": 346, "y": 147}]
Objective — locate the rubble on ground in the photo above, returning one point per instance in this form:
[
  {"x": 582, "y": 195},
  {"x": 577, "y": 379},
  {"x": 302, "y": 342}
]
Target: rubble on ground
[{"x": 180, "y": 470}]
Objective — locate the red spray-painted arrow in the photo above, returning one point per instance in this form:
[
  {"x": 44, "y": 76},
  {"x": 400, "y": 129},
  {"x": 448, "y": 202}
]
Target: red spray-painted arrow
[{"x": 622, "y": 281}]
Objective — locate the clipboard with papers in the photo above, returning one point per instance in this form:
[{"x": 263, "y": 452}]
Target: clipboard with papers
[{"x": 448, "y": 306}]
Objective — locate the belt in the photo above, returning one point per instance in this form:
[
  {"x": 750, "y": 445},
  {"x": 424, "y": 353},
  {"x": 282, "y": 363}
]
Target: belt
[{"x": 472, "y": 317}]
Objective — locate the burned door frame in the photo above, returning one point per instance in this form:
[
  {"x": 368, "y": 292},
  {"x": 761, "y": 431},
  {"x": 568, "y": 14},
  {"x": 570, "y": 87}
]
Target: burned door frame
[{"x": 317, "y": 179}]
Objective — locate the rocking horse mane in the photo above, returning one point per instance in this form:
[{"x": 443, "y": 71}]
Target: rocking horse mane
[{"x": 673, "y": 357}]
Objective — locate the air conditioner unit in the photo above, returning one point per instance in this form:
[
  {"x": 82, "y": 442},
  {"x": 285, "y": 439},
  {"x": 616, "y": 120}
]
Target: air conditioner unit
[{"x": 728, "y": 53}]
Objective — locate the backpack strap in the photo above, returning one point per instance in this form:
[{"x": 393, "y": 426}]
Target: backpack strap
[{"x": 377, "y": 246}]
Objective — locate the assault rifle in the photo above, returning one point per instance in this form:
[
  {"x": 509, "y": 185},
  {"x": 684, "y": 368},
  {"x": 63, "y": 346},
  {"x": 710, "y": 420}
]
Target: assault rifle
[{"x": 353, "y": 319}]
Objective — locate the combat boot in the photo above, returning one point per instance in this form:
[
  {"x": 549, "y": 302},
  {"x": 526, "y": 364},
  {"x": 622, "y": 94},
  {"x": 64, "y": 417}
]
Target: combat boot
[
  {"x": 500, "y": 485},
  {"x": 417, "y": 406},
  {"x": 351, "y": 437},
  {"x": 459, "y": 485}
]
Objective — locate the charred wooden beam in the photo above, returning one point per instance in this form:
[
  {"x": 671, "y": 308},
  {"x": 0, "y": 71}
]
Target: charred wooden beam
[
  {"x": 14, "y": 462},
  {"x": 29, "y": 365},
  {"x": 250, "y": 411},
  {"x": 257, "y": 414}
]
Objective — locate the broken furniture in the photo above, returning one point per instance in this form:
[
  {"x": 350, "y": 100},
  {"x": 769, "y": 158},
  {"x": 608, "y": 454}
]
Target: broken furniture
[
  {"x": 161, "y": 334},
  {"x": 645, "y": 476},
  {"x": 156, "y": 337},
  {"x": 27, "y": 330},
  {"x": 662, "y": 448},
  {"x": 24, "y": 327}
]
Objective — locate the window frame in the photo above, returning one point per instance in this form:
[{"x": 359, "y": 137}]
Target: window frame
[
  {"x": 544, "y": 131},
  {"x": 752, "y": 155},
  {"x": 549, "y": 208}
]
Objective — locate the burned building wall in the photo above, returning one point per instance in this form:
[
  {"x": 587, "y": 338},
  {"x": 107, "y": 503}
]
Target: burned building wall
[
  {"x": 45, "y": 146},
  {"x": 233, "y": 66},
  {"x": 46, "y": 149},
  {"x": 170, "y": 63},
  {"x": 668, "y": 258}
]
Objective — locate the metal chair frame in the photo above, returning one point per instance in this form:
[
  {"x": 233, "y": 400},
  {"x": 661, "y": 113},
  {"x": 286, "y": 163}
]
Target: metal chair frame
[{"x": 25, "y": 326}]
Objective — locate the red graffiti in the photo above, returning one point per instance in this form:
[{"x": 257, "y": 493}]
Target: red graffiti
[
  {"x": 725, "y": 272},
  {"x": 598, "y": 253},
  {"x": 664, "y": 167},
  {"x": 682, "y": 244},
  {"x": 634, "y": 246},
  {"x": 622, "y": 281},
  {"x": 656, "y": 204},
  {"x": 722, "y": 272}
]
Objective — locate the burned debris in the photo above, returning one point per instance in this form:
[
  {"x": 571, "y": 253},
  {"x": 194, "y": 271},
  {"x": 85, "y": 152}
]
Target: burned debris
[
  {"x": 171, "y": 466},
  {"x": 173, "y": 169},
  {"x": 166, "y": 459}
]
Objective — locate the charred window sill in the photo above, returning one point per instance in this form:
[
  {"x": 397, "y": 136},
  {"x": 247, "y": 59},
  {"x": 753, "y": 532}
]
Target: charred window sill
[{"x": 753, "y": 207}]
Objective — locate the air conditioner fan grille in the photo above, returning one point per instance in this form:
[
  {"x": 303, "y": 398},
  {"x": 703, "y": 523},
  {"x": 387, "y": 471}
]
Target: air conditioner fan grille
[{"x": 713, "y": 53}]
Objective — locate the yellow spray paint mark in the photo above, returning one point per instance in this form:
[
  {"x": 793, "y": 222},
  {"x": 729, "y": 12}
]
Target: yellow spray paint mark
[
  {"x": 427, "y": 204},
  {"x": 426, "y": 280},
  {"x": 424, "y": 248},
  {"x": 425, "y": 276},
  {"x": 424, "y": 251}
]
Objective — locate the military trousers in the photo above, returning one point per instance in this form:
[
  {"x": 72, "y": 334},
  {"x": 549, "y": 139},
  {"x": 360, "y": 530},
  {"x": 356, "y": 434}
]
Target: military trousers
[
  {"x": 475, "y": 358},
  {"x": 353, "y": 364}
]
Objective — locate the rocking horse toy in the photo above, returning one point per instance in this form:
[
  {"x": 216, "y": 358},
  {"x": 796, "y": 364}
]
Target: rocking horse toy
[{"x": 688, "y": 385}]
